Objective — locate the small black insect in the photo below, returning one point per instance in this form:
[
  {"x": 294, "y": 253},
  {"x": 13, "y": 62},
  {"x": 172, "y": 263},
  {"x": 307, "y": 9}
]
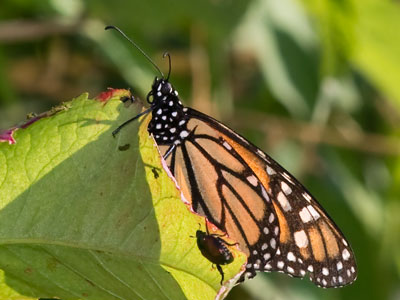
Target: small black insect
[
  {"x": 155, "y": 173},
  {"x": 213, "y": 247}
]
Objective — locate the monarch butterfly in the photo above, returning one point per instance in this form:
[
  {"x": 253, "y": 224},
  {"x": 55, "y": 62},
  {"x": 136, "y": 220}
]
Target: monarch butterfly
[
  {"x": 245, "y": 193},
  {"x": 213, "y": 247}
]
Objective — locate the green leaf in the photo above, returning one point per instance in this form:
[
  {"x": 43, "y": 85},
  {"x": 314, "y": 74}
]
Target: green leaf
[
  {"x": 88, "y": 216},
  {"x": 378, "y": 49},
  {"x": 285, "y": 45}
]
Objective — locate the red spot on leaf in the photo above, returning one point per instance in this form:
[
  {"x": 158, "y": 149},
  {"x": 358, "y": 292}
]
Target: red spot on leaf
[
  {"x": 7, "y": 136},
  {"x": 110, "y": 93}
]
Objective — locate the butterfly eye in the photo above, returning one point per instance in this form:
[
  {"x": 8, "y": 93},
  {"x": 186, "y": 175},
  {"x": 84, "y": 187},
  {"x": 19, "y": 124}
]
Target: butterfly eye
[{"x": 166, "y": 88}]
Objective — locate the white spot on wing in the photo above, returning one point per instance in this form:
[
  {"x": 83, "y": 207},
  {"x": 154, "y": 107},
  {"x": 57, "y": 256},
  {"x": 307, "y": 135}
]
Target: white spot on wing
[
  {"x": 305, "y": 216},
  {"x": 261, "y": 153},
  {"x": 313, "y": 212},
  {"x": 270, "y": 171},
  {"x": 307, "y": 196},
  {"x": 284, "y": 202},
  {"x": 183, "y": 134},
  {"x": 253, "y": 180},
  {"x": 276, "y": 230},
  {"x": 287, "y": 176},
  {"x": 339, "y": 266},
  {"x": 291, "y": 257},
  {"x": 271, "y": 217},
  {"x": 285, "y": 188},
  {"x": 227, "y": 146},
  {"x": 280, "y": 264},
  {"x": 265, "y": 194},
  {"x": 345, "y": 254},
  {"x": 273, "y": 243},
  {"x": 301, "y": 239}
]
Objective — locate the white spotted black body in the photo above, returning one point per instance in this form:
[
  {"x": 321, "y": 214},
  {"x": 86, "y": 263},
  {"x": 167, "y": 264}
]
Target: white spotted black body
[{"x": 168, "y": 122}]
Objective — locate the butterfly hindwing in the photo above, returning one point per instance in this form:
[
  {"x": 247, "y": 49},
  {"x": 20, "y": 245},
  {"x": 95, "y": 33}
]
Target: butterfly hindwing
[{"x": 309, "y": 241}]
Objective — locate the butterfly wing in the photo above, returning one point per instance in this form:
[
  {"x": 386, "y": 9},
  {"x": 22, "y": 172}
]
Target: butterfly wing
[
  {"x": 309, "y": 242},
  {"x": 243, "y": 191},
  {"x": 221, "y": 186}
]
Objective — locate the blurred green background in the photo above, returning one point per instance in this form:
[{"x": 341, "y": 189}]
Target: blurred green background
[{"x": 314, "y": 83}]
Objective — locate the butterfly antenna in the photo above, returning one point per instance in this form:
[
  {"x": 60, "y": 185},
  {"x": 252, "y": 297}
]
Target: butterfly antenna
[
  {"x": 169, "y": 62},
  {"x": 137, "y": 47}
]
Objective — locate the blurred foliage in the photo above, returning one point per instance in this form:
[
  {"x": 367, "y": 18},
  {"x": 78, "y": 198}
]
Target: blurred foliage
[{"x": 314, "y": 83}]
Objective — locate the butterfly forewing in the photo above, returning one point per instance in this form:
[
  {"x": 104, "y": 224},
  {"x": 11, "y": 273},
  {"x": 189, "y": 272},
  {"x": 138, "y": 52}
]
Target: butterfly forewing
[{"x": 223, "y": 176}]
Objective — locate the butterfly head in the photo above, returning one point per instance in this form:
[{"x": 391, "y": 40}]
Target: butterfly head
[{"x": 161, "y": 91}]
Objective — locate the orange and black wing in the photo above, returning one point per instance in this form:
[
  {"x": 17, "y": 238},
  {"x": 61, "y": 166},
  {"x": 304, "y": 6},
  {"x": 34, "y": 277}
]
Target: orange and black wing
[
  {"x": 218, "y": 184},
  {"x": 244, "y": 192}
]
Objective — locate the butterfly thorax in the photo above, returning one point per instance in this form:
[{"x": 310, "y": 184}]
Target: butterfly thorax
[{"x": 168, "y": 122}]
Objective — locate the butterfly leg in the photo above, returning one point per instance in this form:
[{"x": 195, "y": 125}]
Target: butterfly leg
[
  {"x": 169, "y": 151},
  {"x": 115, "y": 132}
]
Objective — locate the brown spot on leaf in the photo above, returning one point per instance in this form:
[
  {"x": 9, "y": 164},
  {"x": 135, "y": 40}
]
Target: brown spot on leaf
[
  {"x": 52, "y": 264},
  {"x": 124, "y": 147}
]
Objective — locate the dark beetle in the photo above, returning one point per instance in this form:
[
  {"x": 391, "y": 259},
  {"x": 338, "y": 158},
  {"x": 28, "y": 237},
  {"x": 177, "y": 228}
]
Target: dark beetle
[{"x": 213, "y": 247}]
